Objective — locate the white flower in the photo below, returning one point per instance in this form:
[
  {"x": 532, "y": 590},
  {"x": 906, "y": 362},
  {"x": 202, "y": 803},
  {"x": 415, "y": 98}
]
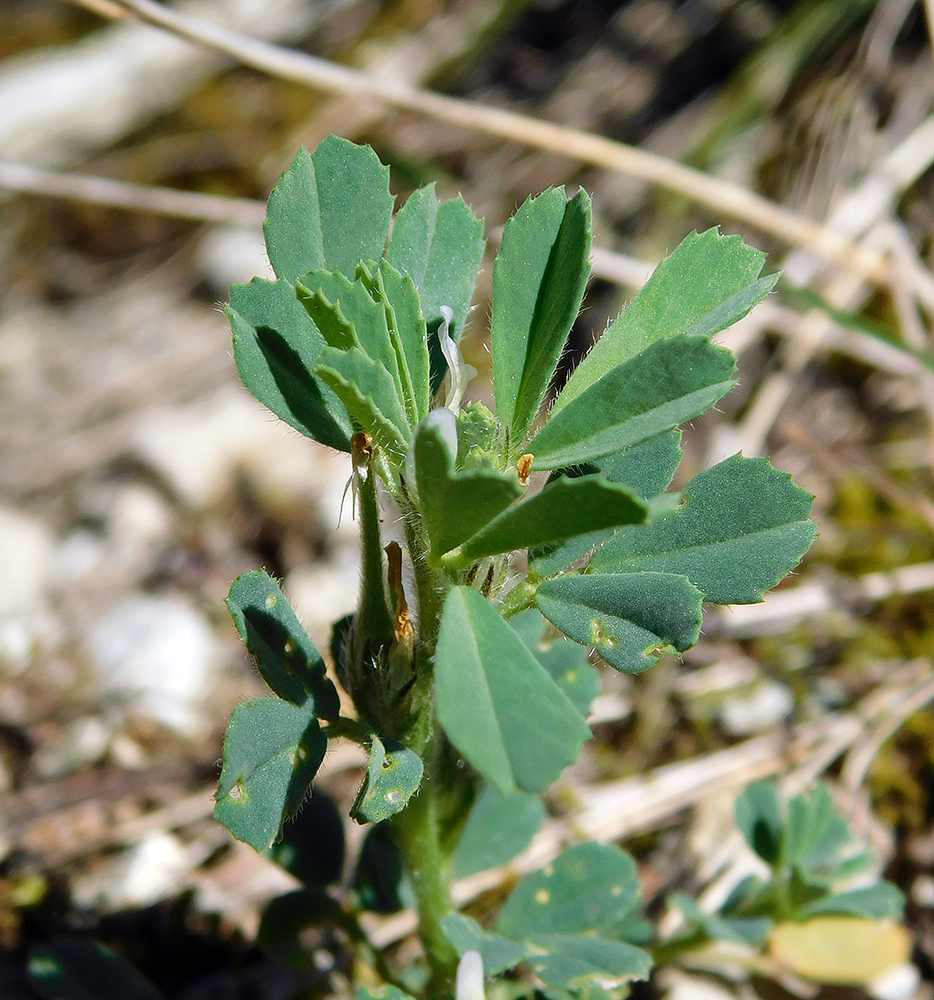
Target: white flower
[{"x": 470, "y": 977}]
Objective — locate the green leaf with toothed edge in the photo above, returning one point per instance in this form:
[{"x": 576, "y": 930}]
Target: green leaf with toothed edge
[
  {"x": 440, "y": 247},
  {"x": 742, "y": 526},
  {"x": 330, "y": 210},
  {"x": 587, "y": 888},
  {"x": 686, "y": 294},
  {"x": 539, "y": 278},
  {"x": 276, "y": 347},
  {"x": 646, "y": 468},
  {"x": 272, "y": 751},
  {"x": 631, "y": 619},
  {"x": 285, "y": 655},
  {"x": 670, "y": 382},
  {"x": 407, "y": 324},
  {"x": 369, "y": 393},
  {"x": 564, "y": 508},
  {"x": 481, "y": 662},
  {"x": 348, "y": 317}
]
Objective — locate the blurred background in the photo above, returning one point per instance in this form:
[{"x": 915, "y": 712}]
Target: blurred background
[{"x": 138, "y": 478}]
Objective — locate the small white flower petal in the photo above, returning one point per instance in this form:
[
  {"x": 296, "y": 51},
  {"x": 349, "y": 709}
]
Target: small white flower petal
[{"x": 470, "y": 977}]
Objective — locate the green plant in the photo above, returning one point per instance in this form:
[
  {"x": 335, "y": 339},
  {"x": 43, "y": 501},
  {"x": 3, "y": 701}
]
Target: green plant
[
  {"x": 355, "y": 344},
  {"x": 812, "y": 858}
]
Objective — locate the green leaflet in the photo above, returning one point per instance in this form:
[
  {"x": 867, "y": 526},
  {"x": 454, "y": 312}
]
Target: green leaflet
[
  {"x": 539, "y": 279},
  {"x": 872, "y": 902},
  {"x": 646, "y": 468},
  {"x": 589, "y": 887},
  {"x": 272, "y": 751},
  {"x": 284, "y": 654},
  {"x": 741, "y": 528},
  {"x": 407, "y": 326},
  {"x": 499, "y": 828},
  {"x": 498, "y": 952},
  {"x": 348, "y": 317},
  {"x": 759, "y": 817},
  {"x": 812, "y": 853},
  {"x": 454, "y": 505},
  {"x": 481, "y": 662},
  {"x": 75, "y": 969},
  {"x": 748, "y": 931},
  {"x": 566, "y": 921},
  {"x": 686, "y": 294},
  {"x": 814, "y": 833},
  {"x": 577, "y": 961},
  {"x": 670, "y": 382},
  {"x": 369, "y": 393},
  {"x": 564, "y": 508},
  {"x": 631, "y": 619},
  {"x": 276, "y": 347},
  {"x": 392, "y": 777},
  {"x": 440, "y": 247},
  {"x": 567, "y": 663},
  {"x": 330, "y": 210}
]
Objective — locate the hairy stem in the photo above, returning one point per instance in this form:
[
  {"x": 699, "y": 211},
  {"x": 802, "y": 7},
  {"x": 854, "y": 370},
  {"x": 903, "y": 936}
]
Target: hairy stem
[{"x": 418, "y": 834}]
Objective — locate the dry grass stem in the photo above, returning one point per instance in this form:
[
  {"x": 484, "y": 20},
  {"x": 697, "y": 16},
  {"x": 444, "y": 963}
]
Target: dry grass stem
[
  {"x": 721, "y": 196},
  {"x": 134, "y": 197}
]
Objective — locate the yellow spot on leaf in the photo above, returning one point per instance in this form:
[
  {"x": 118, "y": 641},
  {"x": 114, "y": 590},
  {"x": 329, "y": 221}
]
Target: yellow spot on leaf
[{"x": 543, "y": 896}]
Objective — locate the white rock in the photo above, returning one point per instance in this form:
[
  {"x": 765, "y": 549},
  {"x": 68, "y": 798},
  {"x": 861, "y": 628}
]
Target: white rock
[
  {"x": 201, "y": 448},
  {"x": 229, "y": 255},
  {"x": 324, "y": 592},
  {"x": 81, "y": 554},
  {"x": 26, "y": 548},
  {"x": 157, "y": 657},
  {"x": 678, "y": 985},
  {"x": 898, "y": 983},
  {"x": 83, "y": 742},
  {"x": 767, "y": 703}
]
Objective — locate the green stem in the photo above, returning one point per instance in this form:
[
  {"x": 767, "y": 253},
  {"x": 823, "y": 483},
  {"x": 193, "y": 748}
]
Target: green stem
[
  {"x": 430, "y": 589},
  {"x": 417, "y": 826},
  {"x": 373, "y": 618},
  {"x": 372, "y": 630},
  {"x": 418, "y": 835}
]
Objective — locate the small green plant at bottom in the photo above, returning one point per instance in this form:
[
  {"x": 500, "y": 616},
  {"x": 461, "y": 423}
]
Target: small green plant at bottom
[{"x": 464, "y": 690}]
